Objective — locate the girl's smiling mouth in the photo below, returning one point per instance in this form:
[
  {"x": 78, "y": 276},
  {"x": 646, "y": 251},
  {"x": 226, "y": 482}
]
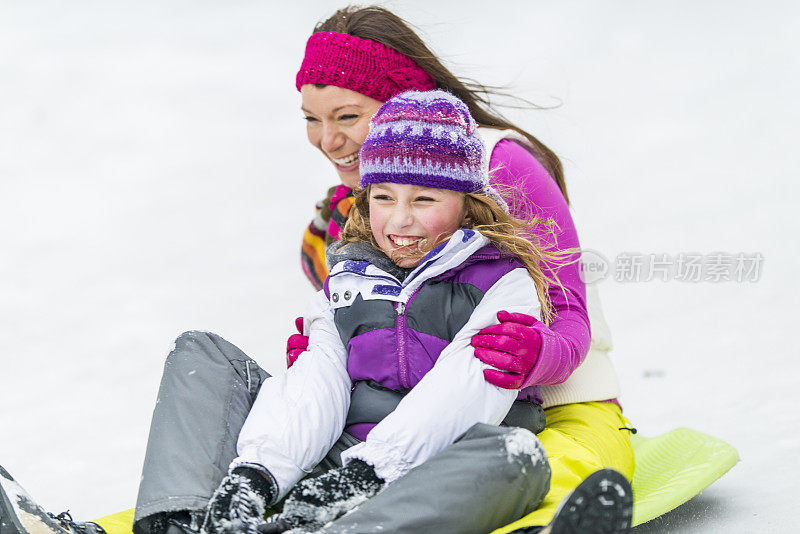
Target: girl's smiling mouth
[{"x": 404, "y": 241}]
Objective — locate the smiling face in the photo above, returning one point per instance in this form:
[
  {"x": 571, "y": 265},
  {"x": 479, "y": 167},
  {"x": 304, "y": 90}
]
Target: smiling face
[
  {"x": 337, "y": 124},
  {"x": 407, "y": 221}
]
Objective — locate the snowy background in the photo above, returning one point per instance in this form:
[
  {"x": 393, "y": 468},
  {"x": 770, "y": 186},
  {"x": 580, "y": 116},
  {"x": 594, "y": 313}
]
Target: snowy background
[{"x": 155, "y": 178}]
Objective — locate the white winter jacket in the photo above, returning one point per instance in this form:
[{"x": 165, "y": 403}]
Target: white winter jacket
[{"x": 298, "y": 416}]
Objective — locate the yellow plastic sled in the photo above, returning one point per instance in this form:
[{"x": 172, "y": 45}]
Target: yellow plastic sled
[
  {"x": 670, "y": 469},
  {"x": 674, "y": 467}
]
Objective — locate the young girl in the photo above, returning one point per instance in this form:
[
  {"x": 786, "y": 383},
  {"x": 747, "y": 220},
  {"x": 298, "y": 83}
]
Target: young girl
[{"x": 389, "y": 396}]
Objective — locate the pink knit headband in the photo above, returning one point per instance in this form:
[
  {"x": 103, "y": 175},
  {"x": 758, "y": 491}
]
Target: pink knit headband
[{"x": 367, "y": 67}]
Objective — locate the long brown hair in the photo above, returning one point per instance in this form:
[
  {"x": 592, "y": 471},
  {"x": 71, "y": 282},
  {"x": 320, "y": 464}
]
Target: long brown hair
[
  {"x": 381, "y": 25},
  {"x": 512, "y": 236}
]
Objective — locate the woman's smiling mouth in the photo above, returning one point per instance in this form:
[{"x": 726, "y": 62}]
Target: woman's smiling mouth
[{"x": 346, "y": 162}]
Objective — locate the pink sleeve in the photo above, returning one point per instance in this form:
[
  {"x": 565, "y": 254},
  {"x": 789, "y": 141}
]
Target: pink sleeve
[{"x": 533, "y": 192}]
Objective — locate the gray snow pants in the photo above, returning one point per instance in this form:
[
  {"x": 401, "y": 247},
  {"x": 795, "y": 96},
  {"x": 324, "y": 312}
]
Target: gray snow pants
[{"x": 477, "y": 484}]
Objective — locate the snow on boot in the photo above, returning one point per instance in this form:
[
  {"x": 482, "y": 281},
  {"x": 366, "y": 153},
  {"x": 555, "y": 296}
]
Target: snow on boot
[
  {"x": 316, "y": 501},
  {"x": 239, "y": 503},
  {"x": 20, "y": 514},
  {"x": 601, "y": 504}
]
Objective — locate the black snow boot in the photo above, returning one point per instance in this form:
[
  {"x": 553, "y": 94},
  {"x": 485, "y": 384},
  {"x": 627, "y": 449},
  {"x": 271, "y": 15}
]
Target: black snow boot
[
  {"x": 601, "y": 504},
  {"x": 239, "y": 503},
  {"x": 316, "y": 501},
  {"x": 76, "y": 527},
  {"x": 20, "y": 514}
]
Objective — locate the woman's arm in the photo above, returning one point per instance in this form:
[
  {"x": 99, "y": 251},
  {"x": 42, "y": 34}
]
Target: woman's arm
[
  {"x": 565, "y": 342},
  {"x": 452, "y": 396},
  {"x": 299, "y": 415},
  {"x": 330, "y": 217}
]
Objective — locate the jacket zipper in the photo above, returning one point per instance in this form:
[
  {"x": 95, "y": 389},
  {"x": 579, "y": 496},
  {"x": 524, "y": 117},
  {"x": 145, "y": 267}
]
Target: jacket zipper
[
  {"x": 402, "y": 364},
  {"x": 402, "y": 360}
]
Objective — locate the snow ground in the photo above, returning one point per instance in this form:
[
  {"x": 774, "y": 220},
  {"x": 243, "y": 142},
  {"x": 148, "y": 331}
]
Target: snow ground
[{"x": 154, "y": 178}]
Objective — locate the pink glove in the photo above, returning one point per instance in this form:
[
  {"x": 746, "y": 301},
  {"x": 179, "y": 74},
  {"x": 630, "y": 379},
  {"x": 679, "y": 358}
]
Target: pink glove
[
  {"x": 512, "y": 346},
  {"x": 297, "y": 344}
]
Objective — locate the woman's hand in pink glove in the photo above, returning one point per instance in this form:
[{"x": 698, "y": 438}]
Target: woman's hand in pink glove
[
  {"x": 511, "y": 346},
  {"x": 296, "y": 344}
]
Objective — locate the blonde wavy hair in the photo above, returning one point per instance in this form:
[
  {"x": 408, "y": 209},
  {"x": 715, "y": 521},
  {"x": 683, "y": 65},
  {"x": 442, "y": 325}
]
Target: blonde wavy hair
[{"x": 511, "y": 235}]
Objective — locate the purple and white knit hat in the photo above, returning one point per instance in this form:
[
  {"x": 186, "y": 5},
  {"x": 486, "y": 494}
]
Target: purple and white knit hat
[{"x": 426, "y": 138}]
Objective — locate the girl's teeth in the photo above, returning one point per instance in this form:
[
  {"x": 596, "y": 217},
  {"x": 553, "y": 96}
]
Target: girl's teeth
[
  {"x": 404, "y": 241},
  {"x": 347, "y": 161}
]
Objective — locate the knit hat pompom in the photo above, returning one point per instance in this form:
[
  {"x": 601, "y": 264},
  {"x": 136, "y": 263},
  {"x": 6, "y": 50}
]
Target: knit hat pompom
[{"x": 426, "y": 138}]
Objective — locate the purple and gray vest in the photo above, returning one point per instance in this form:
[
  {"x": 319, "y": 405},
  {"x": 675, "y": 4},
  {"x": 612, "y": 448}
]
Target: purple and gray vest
[{"x": 395, "y": 322}]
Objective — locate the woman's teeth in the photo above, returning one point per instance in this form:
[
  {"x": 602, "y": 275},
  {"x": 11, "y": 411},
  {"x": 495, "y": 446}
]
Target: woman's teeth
[
  {"x": 346, "y": 161},
  {"x": 404, "y": 241}
]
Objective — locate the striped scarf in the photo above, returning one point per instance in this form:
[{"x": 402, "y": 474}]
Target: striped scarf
[{"x": 331, "y": 215}]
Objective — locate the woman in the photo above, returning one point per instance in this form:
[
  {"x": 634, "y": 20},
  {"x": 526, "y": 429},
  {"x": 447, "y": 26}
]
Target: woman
[{"x": 339, "y": 97}]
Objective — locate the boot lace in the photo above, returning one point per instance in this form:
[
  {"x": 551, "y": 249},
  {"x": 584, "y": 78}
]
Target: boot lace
[{"x": 78, "y": 527}]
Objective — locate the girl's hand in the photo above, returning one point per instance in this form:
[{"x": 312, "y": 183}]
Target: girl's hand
[
  {"x": 296, "y": 344},
  {"x": 513, "y": 347}
]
